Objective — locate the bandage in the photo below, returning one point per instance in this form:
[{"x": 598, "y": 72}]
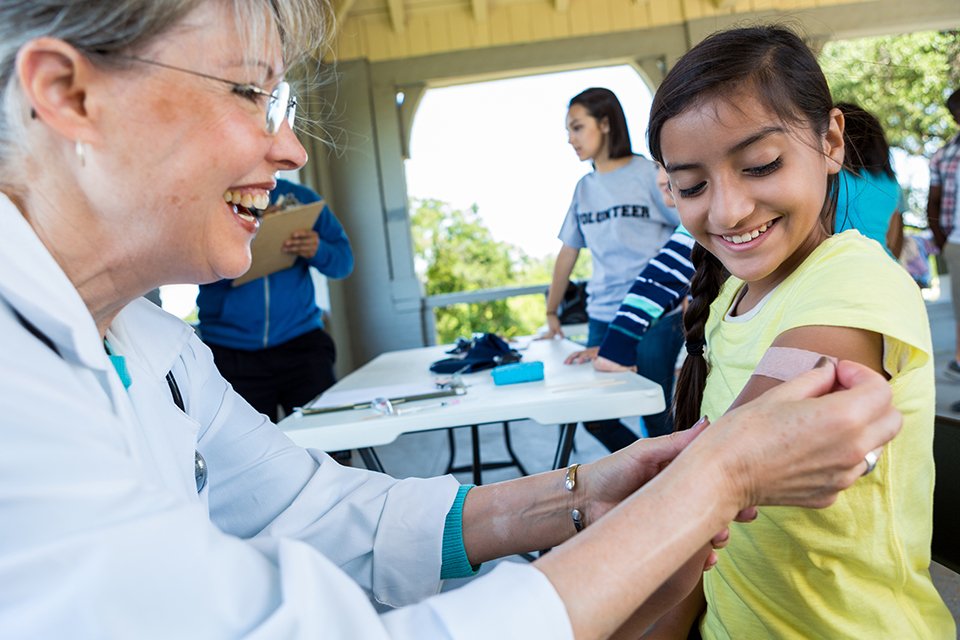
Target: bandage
[{"x": 786, "y": 363}]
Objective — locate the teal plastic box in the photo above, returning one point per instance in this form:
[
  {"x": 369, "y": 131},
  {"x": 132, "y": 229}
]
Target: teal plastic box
[{"x": 517, "y": 372}]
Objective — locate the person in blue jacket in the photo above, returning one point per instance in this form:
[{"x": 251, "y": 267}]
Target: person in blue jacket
[{"x": 267, "y": 335}]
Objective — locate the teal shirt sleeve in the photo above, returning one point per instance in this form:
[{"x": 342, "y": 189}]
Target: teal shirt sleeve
[{"x": 455, "y": 563}]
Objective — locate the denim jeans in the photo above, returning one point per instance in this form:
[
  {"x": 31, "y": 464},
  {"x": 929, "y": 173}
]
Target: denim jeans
[{"x": 655, "y": 360}]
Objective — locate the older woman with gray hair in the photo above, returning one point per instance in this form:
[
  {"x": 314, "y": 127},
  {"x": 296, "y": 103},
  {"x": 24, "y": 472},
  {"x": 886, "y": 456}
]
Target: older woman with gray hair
[{"x": 142, "y": 498}]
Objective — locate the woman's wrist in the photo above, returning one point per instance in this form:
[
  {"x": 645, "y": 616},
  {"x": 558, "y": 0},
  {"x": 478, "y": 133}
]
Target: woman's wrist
[
  {"x": 533, "y": 512},
  {"x": 722, "y": 468},
  {"x": 573, "y": 482}
]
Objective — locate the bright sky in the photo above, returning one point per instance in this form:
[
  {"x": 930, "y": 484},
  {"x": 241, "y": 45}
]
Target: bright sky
[{"x": 503, "y": 145}]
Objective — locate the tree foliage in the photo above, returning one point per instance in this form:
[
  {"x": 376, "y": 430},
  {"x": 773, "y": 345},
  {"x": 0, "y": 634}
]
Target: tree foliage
[
  {"x": 456, "y": 252},
  {"x": 904, "y": 80}
]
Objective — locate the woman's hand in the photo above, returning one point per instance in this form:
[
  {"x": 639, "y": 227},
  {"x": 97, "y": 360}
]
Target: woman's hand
[
  {"x": 609, "y": 480},
  {"x": 798, "y": 444},
  {"x": 303, "y": 243},
  {"x": 580, "y": 357},
  {"x": 806, "y": 444}
]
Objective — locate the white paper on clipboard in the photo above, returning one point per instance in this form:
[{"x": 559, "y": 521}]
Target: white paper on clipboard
[{"x": 267, "y": 246}]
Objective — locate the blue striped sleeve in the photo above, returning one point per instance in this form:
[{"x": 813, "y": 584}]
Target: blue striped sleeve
[
  {"x": 455, "y": 563},
  {"x": 658, "y": 290}
]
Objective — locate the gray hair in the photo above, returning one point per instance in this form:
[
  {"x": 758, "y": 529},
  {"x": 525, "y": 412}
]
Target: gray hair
[{"x": 102, "y": 30}]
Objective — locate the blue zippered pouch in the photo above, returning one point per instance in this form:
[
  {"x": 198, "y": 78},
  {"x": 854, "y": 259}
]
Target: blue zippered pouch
[{"x": 517, "y": 372}]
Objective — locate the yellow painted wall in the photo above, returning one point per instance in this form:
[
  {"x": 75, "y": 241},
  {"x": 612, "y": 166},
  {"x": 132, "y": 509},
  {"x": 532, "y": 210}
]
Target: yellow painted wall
[{"x": 367, "y": 31}]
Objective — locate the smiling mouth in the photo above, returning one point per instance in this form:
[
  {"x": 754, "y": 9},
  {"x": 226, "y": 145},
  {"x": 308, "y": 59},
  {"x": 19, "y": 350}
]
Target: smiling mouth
[
  {"x": 248, "y": 207},
  {"x": 750, "y": 235}
]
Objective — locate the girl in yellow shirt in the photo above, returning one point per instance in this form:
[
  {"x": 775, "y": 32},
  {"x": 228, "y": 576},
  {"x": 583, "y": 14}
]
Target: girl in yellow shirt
[{"x": 746, "y": 128}]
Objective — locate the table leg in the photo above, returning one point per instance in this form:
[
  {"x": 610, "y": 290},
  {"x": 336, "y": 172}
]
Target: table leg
[
  {"x": 370, "y": 459},
  {"x": 513, "y": 456},
  {"x": 452, "y": 441},
  {"x": 477, "y": 466},
  {"x": 565, "y": 445},
  {"x": 475, "y": 443}
]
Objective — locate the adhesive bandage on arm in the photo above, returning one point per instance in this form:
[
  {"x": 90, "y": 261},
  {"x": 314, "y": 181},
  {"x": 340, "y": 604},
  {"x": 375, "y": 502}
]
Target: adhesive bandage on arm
[{"x": 786, "y": 363}]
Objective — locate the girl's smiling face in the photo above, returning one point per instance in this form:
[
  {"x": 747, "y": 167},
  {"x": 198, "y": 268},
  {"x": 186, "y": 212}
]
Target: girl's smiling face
[{"x": 748, "y": 186}]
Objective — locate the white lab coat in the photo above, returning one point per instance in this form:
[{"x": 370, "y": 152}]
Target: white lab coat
[{"x": 103, "y": 534}]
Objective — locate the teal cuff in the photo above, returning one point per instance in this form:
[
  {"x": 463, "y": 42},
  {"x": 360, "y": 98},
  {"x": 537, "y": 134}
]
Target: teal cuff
[{"x": 455, "y": 563}]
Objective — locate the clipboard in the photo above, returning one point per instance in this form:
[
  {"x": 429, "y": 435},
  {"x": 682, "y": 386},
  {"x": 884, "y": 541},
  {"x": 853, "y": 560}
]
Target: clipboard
[{"x": 267, "y": 246}]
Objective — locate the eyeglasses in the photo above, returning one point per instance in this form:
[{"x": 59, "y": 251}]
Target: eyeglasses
[{"x": 280, "y": 104}]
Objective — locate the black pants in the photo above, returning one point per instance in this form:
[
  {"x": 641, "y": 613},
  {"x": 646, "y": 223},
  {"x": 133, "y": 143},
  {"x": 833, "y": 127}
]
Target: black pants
[{"x": 289, "y": 374}]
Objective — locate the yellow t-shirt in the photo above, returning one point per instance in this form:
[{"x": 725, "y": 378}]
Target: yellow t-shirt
[{"x": 860, "y": 568}]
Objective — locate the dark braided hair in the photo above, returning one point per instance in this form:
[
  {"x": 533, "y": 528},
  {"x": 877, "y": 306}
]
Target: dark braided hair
[
  {"x": 704, "y": 287},
  {"x": 783, "y": 74}
]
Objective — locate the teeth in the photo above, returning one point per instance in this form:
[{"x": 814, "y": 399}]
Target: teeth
[
  {"x": 748, "y": 236},
  {"x": 249, "y": 200}
]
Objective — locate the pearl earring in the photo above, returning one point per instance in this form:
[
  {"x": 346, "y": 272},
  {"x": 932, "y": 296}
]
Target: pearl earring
[{"x": 81, "y": 150}]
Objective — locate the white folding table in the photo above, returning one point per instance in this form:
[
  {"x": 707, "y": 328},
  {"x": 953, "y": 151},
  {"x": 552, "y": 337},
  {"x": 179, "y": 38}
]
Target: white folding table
[{"x": 568, "y": 395}]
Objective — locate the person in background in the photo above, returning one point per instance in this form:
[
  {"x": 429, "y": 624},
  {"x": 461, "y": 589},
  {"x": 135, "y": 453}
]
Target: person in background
[
  {"x": 619, "y": 214},
  {"x": 658, "y": 291},
  {"x": 869, "y": 195},
  {"x": 267, "y": 335},
  {"x": 943, "y": 207},
  {"x": 144, "y": 498}
]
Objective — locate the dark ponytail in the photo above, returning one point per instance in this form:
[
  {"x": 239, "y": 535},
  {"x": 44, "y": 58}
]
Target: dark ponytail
[
  {"x": 708, "y": 277},
  {"x": 602, "y": 103}
]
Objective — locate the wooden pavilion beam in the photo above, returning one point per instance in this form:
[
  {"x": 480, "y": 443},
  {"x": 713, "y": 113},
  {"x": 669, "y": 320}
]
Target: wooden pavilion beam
[
  {"x": 341, "y": 9},
  {"x": 479, "y": 10},
  {"x": 398, "y": 17}
]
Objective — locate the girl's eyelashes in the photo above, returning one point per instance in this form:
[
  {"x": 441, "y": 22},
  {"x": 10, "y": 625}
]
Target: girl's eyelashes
[
  {"x": 757, "y": 172},
  {"x": 692, "y": 191},
  {"x": 766, "y": 169}
]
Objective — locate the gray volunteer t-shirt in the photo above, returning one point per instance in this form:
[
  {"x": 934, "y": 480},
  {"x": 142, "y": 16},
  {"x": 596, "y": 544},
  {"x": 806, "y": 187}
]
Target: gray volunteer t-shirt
[{"x": 621, "y": 217}]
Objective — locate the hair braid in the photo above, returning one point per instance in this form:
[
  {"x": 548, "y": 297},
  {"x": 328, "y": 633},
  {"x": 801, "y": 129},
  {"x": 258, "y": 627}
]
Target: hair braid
[{"x": 704, "y": 288}]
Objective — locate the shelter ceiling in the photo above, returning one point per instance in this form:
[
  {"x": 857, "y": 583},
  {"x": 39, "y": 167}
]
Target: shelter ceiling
[{"x": 396, "y": 29}]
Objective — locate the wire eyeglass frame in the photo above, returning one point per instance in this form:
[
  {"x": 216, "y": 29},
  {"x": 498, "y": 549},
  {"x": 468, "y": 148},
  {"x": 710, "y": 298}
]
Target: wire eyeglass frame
[{"x": 280, "y": 104}]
